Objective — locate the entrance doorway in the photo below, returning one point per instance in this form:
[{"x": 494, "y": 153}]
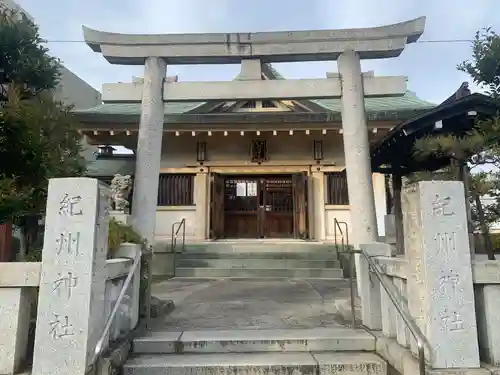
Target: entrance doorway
[{"x": 264, "y": 206}]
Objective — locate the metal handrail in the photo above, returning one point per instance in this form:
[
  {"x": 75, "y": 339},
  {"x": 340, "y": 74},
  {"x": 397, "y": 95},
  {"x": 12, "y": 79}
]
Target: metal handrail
[
  {"x": 99, "y": 348},
  {"x": 181, "y": 224},
  {"x": 407, "y": 318},
  {"x": 351, "y": 265}
]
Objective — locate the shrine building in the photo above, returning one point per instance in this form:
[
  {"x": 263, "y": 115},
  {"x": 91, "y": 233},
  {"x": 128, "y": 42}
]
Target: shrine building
[{"x": 274, "y": 168}]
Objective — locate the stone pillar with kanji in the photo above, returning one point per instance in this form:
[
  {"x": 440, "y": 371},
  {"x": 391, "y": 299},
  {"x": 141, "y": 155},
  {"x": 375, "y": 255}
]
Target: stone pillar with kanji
[
  {"x": 71, "y": 305},
  {"x": 439, "y": 277}
]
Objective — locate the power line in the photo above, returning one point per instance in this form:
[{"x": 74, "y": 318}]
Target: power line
[
  {"x": 446, "y": 41},
  {"x": 418, "y": 42}
]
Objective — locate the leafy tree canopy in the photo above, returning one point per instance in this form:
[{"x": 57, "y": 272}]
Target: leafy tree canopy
[
  {"x": 24, "y": 59},
  {"x": 38, "y": 137}
]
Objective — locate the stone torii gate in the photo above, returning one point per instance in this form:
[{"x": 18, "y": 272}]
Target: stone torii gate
[{"x": 347, "y": 46}]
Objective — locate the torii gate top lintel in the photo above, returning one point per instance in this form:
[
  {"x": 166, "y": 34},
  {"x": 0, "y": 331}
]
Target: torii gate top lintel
[{"x": 280, "y": 46}]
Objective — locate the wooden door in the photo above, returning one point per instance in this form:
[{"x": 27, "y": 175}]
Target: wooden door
[
  {"x": 277, "y": 207},
  {"x": 217, "y": 206},
  {"x": 242, "y": 201},
  {"x": 299, "y": 182}
]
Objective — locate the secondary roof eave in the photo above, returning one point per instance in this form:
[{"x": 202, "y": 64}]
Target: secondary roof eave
[
  {"x": 85, "y": 117},
  {"x": 396, "y": 148}
]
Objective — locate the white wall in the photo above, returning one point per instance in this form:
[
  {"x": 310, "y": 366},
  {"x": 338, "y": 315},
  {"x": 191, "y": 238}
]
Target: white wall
[
  {"x": 72, "y": 90},
  {"x": 181, "y": 150},
  {"x": 12, "y": 5},
  {"x": 166, "y": 216},
  {"x": 342, "y": 213}
]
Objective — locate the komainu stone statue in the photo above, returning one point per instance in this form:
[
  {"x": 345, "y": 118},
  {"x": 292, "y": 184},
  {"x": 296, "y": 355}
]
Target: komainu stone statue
[{"x": 120, "y": 190}]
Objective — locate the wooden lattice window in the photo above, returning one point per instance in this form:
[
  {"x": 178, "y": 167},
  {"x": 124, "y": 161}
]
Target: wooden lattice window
[
  {"x": 259, "y": 150},
  {"x": 176, "y": 190},
  {"x": 336, "y": 186}
]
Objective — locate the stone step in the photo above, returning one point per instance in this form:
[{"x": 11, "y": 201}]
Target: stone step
[
  {"x": 257, "y": 363},
  {"x": 252, "y": 341},
  {"x": 320, "y": 255},
  {"x": 248, "y": 247},
  {"x": 325, "y": 273},
  {"x": 256, "y": 263}
]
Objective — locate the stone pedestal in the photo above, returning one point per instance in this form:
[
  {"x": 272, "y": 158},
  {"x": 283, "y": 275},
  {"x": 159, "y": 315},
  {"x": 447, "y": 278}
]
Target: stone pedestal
[
  {"x": 318, "y": 185},
  {"x": 440, "y": 286},
  {"x": 390, "y": 229},
  {"x": 147, "y": 167},
  {"x": 15, "y": 306},
  {"x": 357, "y": 150},
  {"x": 201, "y": 184},
  {"x": 488, "y": 309},
  {"x": 370, "y": 290},
  {"x": 131, "y": 250},
  {"x": 403, "y": 334},
  {"x": 71, "y": 310}
]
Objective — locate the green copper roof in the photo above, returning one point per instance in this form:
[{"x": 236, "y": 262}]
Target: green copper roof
[
  {"x": 135, "y": 108},
  {"x": 401, "y": 103},
  {"x": 404, "y": 103}
]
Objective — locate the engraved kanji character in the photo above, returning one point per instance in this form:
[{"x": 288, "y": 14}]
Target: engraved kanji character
[
  {"x": 60, "y": 327},
  {"x": 67, "y": 282},
  {"x": 440, "y": 206},
  {"x": 68, "y": 205}
]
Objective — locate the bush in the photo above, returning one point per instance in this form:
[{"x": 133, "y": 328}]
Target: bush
[
  {"x": 495, "y": 241},
  {"x": 120, "y": 233},
  {"x": 479, "y": 242},
  {"x": 34, "y": 255}
]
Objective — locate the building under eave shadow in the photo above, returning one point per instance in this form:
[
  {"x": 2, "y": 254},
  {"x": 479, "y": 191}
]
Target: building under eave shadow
[{"x": 266, "y": 153}]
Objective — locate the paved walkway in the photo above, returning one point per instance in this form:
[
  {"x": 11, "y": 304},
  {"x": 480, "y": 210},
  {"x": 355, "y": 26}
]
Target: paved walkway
[{"x": 254, "y": 304}]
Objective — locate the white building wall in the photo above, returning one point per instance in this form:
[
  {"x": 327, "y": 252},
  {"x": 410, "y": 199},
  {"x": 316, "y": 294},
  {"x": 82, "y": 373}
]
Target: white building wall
[
  {"x": 232, "y": 153},
  {"x": 72, "y": 90},
  {"x": 12, "y": 5}
]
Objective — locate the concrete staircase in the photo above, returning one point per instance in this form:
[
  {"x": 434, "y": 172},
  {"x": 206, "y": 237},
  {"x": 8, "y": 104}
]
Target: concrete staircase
[
  {"x": 250, "y": 352},
  {"x": 259, "y": 260}
]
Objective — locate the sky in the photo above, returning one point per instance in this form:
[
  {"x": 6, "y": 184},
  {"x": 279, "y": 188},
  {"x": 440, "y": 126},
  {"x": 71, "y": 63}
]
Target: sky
[{"x": 429, "y": 66}]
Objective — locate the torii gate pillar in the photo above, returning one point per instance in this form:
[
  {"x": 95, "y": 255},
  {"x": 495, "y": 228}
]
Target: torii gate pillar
[{"x": 357, "y": 150}]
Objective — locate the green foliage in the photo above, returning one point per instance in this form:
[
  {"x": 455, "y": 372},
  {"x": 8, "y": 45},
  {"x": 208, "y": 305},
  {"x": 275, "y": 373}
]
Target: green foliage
[
  {"x": 495, "y": 240},
  {"x": 39, "y": 139},
  {"x": 120, "y": 233},
  {"x": 442, "y": 175},
  {"x": 479, "y": 242},
  {"x": 459, "y": 148},
  {"x": 12, "y": 197},
  {"x": 484, "y": 67},
  {"x": 24, "y": 60},
  {"x": 35, "y": 255}
]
